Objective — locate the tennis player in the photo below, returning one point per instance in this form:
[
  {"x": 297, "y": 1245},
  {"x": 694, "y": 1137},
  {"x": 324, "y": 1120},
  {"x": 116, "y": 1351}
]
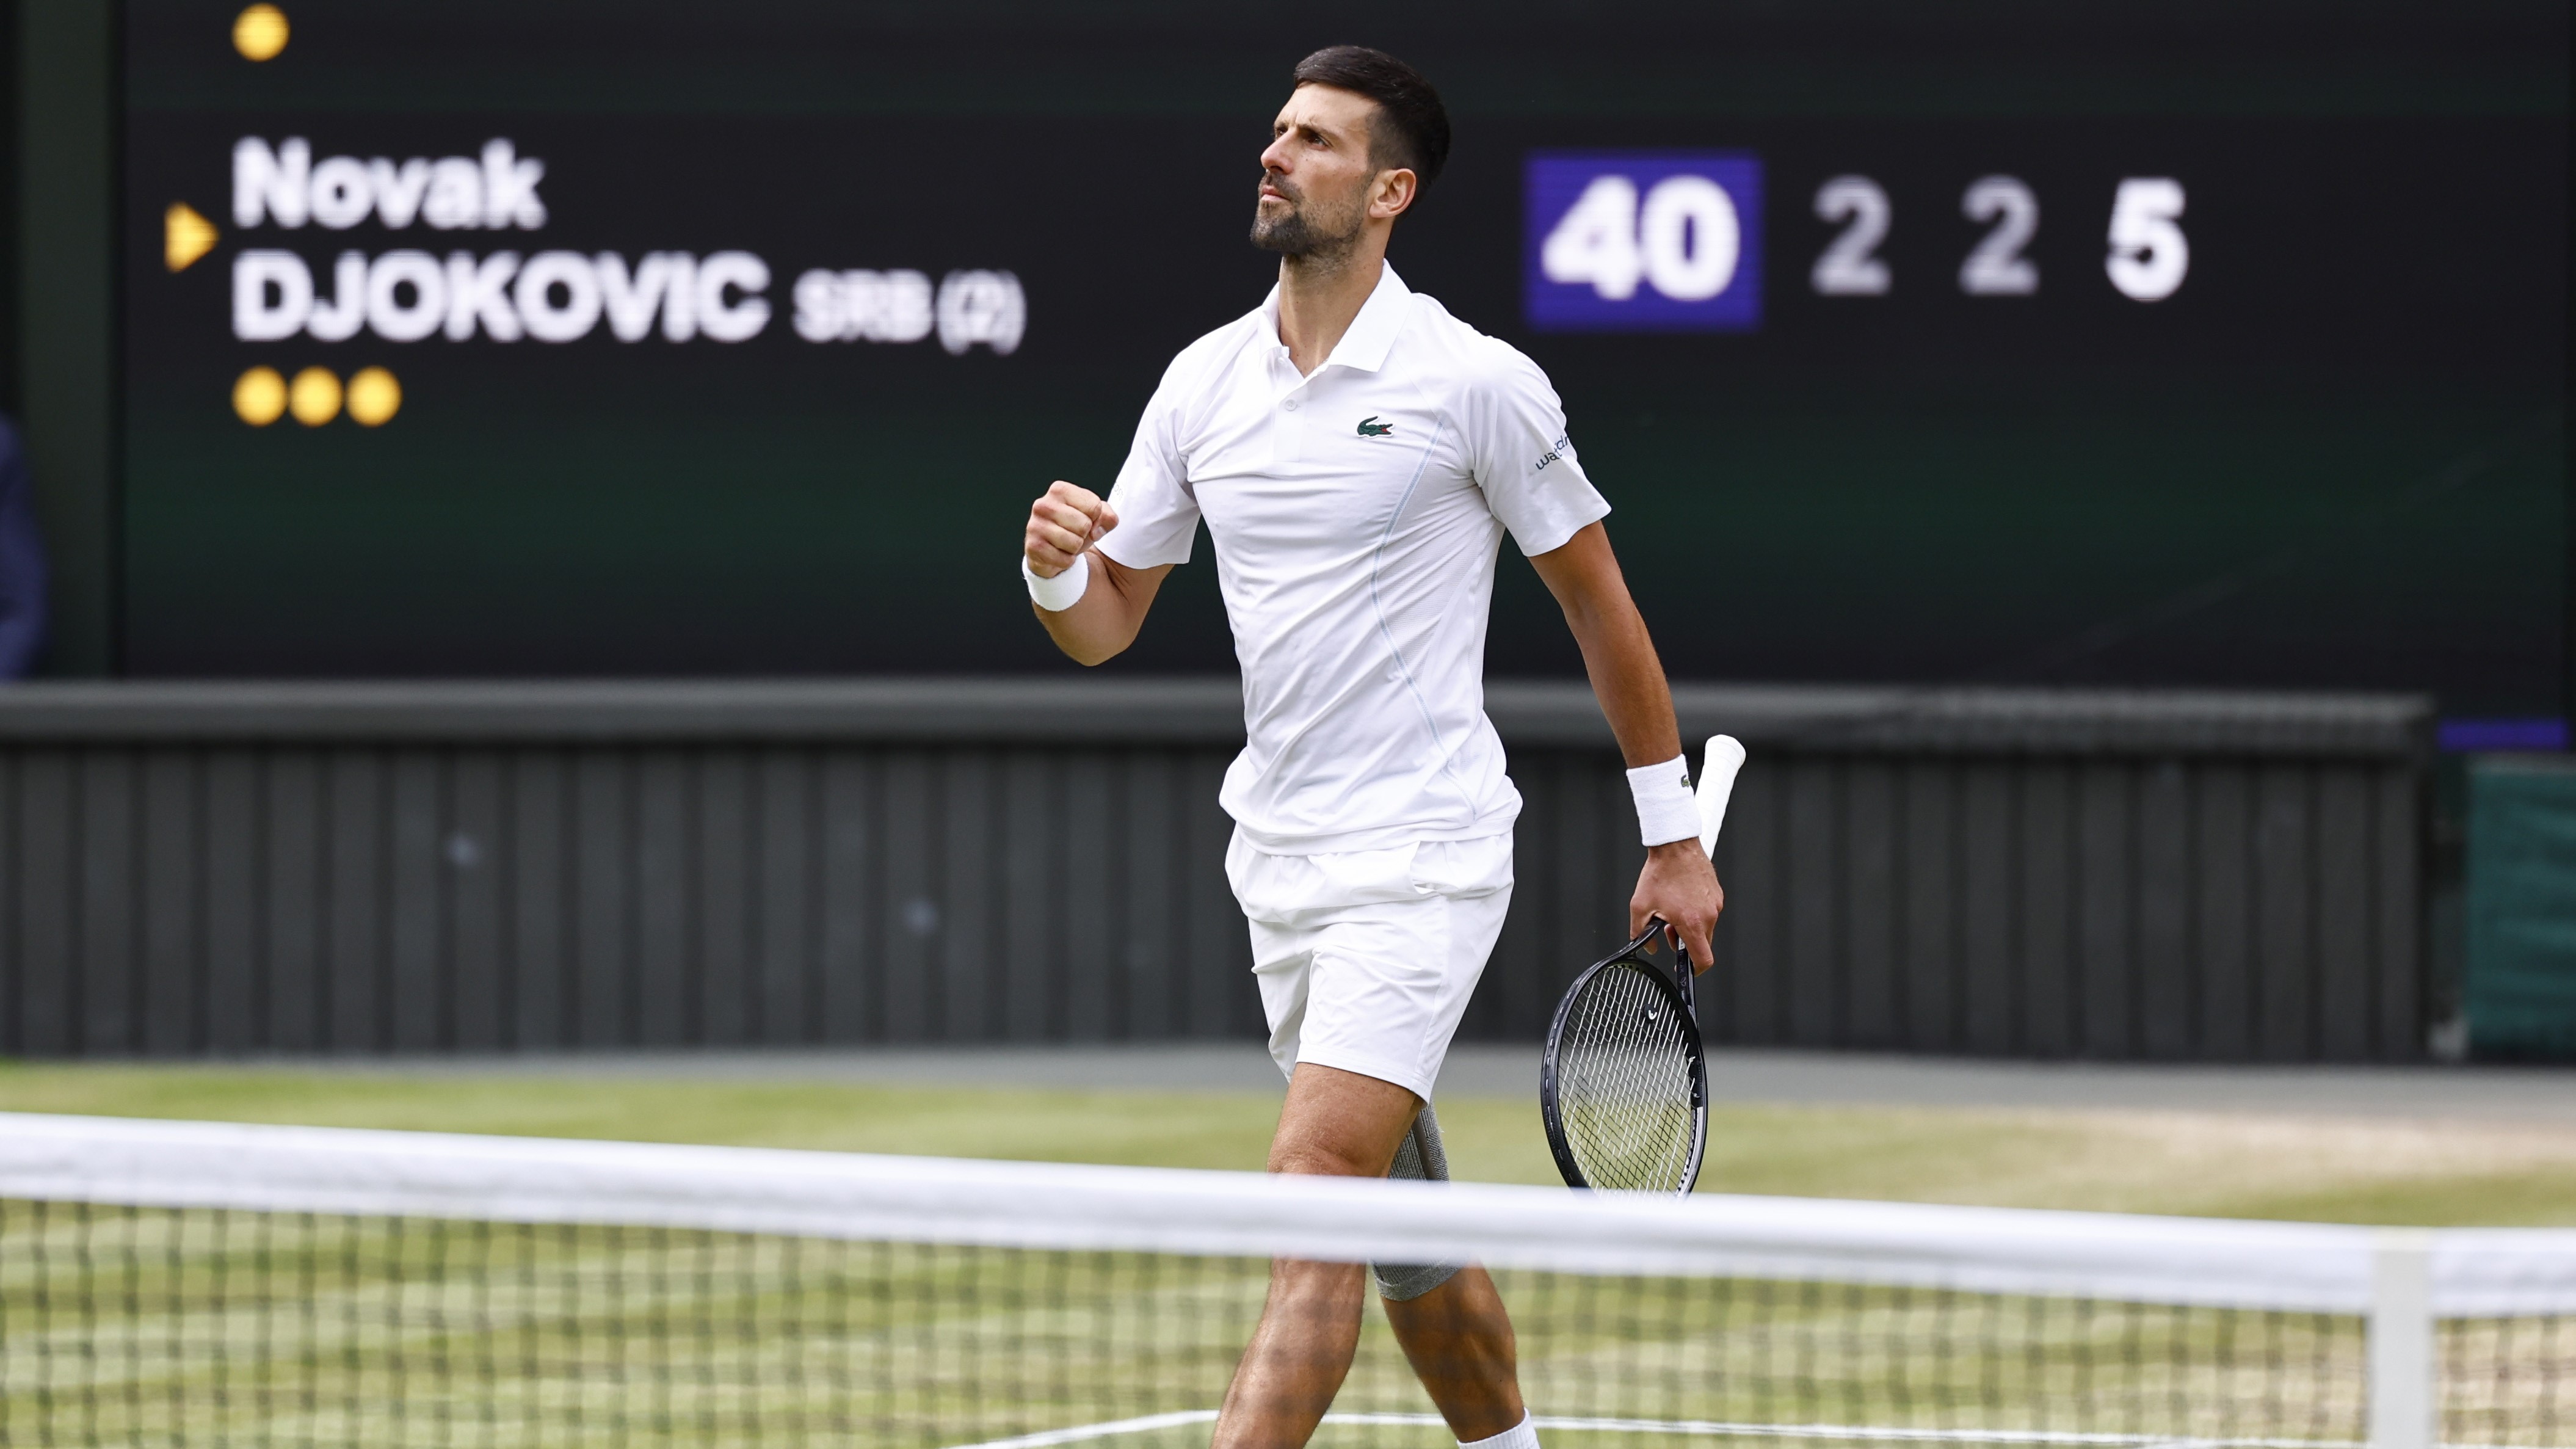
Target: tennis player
[{"x": 1358, "y": 454}]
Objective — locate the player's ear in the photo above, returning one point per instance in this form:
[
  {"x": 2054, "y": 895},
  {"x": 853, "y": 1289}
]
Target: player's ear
[{"x": 1395, "y": 192}]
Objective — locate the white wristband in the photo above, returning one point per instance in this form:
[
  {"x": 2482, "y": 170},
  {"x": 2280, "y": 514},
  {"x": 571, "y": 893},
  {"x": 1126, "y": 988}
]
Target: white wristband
[
  {"x": 1666, "y": 809},
  {"x": 1062, "y": 592}
]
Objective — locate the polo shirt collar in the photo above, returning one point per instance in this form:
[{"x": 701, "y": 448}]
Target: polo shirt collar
[{"x": 1372, "y": 333}]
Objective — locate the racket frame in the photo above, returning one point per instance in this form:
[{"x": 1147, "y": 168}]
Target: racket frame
[{"x": 1676, "y": 987}]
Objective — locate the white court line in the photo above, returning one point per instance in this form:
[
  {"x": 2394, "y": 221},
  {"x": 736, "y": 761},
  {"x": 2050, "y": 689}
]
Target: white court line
[
  {"x": 1937, "y": 1436},
  {"x": 1080, "y": 1432},
  {"x": 1718, "y": 1429},
  {"x": 1703, "y": 1427}
]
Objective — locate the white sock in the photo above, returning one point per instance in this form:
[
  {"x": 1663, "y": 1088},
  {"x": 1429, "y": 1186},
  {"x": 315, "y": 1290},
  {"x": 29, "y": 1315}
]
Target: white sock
[{"x": 1523, "y": 1435}]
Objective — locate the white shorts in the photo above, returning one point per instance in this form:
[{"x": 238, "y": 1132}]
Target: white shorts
[{"x": 1366, "y": 958}]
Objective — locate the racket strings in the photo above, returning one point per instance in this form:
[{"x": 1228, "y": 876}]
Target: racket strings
[{"x": 1624, "y": 1084}]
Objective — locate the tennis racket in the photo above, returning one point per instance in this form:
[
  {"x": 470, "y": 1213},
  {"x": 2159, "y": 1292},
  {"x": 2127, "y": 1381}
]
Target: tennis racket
[{"x": 1623, "y": 1086}]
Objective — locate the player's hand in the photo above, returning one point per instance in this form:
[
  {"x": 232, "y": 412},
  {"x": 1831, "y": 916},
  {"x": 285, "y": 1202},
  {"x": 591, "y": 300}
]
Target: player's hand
[
  {"x": 1679, "y": 885},
  {"x": 1067, "y": 521}
]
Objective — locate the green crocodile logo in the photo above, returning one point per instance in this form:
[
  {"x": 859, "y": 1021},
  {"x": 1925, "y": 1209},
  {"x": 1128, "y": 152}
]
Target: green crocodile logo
[{"x": 1370, "y": 427}]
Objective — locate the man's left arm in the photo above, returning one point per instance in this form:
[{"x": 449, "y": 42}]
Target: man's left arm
[{"x": 1678, "y": 883}]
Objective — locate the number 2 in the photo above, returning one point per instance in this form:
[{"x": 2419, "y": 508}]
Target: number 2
[
  {"x": 1849, "y": 266},
  {"x": 1997, "y": 268}
]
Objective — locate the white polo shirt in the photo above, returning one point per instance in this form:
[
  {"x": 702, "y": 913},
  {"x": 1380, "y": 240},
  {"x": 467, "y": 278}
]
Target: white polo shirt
[{"x": 1357, "y": 514}]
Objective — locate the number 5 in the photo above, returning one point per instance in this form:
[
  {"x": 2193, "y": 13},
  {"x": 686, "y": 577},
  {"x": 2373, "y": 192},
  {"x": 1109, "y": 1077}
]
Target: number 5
[{"x": 2148, "y": 253}]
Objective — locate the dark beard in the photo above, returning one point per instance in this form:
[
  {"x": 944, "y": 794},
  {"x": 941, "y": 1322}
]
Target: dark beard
[
  {"x": 1295, "y": 235},
  {"x": 1290, "y": 236}
]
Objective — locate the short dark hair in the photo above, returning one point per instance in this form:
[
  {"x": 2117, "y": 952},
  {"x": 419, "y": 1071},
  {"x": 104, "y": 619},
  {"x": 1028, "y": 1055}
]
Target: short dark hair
[{"x": 1412, "y": 128}]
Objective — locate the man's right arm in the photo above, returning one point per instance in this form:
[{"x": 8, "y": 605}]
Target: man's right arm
[{"x": 1063, "y": 527}]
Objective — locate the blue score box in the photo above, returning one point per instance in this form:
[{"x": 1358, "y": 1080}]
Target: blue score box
[{"x": 1643, "y": 241}]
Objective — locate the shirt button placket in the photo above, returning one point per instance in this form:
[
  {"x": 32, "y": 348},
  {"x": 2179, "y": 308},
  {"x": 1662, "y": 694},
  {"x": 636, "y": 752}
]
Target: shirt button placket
[{"x": 1286, "y": 436}]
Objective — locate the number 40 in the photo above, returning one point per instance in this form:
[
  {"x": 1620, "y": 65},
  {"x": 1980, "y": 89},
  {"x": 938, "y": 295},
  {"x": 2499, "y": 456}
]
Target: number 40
[
  {"x": 1682, "y": 237},
  {"x": 2147, "y": 259}
]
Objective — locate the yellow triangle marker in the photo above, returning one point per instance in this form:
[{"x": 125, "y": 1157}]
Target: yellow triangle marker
[{"x": 185, "y": 236}]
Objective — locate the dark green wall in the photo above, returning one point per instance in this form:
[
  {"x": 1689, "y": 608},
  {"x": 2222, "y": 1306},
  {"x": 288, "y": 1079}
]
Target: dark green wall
[
  {"x": 10, "y": 170},
  {"x": 64, "y": 371}
]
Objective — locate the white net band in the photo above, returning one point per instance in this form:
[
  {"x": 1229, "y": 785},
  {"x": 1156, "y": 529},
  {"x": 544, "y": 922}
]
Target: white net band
[{"x": 2297, "y": 1267}]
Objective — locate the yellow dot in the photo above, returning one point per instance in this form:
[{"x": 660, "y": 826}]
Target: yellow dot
[
  {"x": 315, "y": 397},
  {"x": 374, "y": 396},
  {"x": 260, "y": 32},
  {"x": 259, "y": 396}
]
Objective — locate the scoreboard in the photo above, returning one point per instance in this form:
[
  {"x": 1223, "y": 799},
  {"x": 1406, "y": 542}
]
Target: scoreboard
[{"x": 1992, "y": 340}]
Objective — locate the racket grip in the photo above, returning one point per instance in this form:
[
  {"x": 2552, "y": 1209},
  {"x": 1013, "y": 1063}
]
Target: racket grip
[
  {"x": 1717, "y": 770},
  {"x": 1682, "y": 973}
]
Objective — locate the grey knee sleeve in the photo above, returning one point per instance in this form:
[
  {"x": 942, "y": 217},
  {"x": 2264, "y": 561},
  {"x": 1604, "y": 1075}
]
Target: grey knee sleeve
[{"x": 1420, "y": 1157}]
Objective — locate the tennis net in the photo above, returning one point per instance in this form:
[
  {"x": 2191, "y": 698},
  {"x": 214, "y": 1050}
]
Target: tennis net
[{"x": 172, "y": 1283}]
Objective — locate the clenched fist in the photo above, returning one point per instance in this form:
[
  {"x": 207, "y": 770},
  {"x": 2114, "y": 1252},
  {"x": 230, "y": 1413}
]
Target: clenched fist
[{"x": 1062, "y": 525}]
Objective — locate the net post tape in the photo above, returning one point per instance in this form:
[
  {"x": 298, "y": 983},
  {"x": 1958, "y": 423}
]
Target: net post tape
[{"x": 2303, "y": 1267}]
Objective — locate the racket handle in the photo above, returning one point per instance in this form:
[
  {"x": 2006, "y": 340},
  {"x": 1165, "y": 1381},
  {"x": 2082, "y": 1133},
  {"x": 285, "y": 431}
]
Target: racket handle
[
  {"x": 1716, "y": 785},
  {"x": 1682, "y": 973}
]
